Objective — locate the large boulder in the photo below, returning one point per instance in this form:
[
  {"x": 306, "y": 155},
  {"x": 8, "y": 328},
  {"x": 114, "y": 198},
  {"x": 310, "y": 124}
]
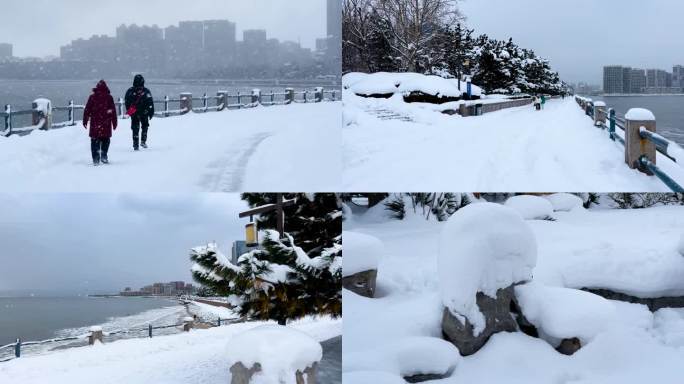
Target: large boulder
[{"x": 485, "y": 250}]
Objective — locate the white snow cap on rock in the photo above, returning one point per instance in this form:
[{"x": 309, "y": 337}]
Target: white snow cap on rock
[
  {"x": 640, "y": 114},
  {"x": 565, "y": 202},
  {"x": 484, "y": 247},
  {"x": 407, "y": 357},
  {"x": 531, "y": 207},
  {"x": 280, "y": 350},
  {"x": 361, "y": 252},
  {"x": 562, "y": 313}
]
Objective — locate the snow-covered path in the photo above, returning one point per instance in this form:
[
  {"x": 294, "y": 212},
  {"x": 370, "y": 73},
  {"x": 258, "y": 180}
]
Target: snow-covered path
[
  {"x": 195, "y": 357},
  {"x": 517, "y": 149},
  {"x": 213, "y": 152}
]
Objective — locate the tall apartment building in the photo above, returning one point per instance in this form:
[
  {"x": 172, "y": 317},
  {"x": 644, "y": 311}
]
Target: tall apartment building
[
  {"x": 219, "y": 43},
  {"x": 678, "y": 76},
  {"x": 637, "y": 80},
  {"x": 184, "y": 46},
  {"x": 5, "y": 51},
  {"x": 613, "y": 79}
]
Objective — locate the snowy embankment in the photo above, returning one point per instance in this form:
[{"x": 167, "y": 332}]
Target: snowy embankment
[
  {"x": 195, "y": 357},
  {"x": 282, "y": 147},
  {"x": 517, "y": 149},
  {"x": 632, "y": 251}
]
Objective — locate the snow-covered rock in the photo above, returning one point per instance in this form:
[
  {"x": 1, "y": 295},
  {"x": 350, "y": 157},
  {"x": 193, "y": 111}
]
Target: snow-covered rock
[
  {"x": 408, "y": 357},
  {"x": 361, "y": 252},
  {"x": 279, "y": 350},
  {"x": 531, "y": 207},
  {"x": 565, "y": 313},
  {"x": 484, "y": 248},
  {"x": 564, "y": 202}
]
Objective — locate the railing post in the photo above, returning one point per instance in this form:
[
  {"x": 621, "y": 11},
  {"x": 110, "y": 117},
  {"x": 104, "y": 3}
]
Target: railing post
[
  {"x": 8, "y": 120},
  {"x": 95, "y": 335},
  {"x": 318, "y": 94},
  {"x": 222, "y": 100},
  {"x": 635, "y": 145},
  {"x": 239, "y": 101},
  {"x": 188, "y": 323},
  {"x": 185, "y": 103},
  {"x": 334, "y": 93},
  {"x": 166, "y": 110},
  {"x": 305, "y": 96},
  {"x": 611, "y": 127},
  {"x": 204, "y": 102},
  {"x": 256, "y": 97},
  {"x": 122, "y": 105},
  {"x": 42, "y": 109},
  {"x": 71, "y": 113},
  {"x": 599, "y": 114},
  {"x": 17, "y": 349},
  {"x": 289, "y": 96},
  {"x": 272, "y": 97},
  {"x": 219, "y": 321},
  {"x": 149, "y": 330}
]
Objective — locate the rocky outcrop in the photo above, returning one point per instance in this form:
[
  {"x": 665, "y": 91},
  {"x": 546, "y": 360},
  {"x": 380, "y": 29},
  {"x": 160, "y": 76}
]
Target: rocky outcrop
[
  {"x": 362, "y": 283},
  {"x": 497, "y": 313}
]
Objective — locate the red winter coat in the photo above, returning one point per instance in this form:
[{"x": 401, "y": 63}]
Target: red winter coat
[{"x": 101, "y": 112}]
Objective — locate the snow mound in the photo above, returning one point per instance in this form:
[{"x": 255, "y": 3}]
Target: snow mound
[
  {"x": 669, "y": 326},
  {"x": 281, "y": 351},
  {"x": 639, "y": 114},
  {"x": 483, "y": 248},
  {"x": 531, "y": 207},
  {"x": 361, "y": 252},
  {"x": 371, "y": 377},
  {"x": 407, "y": 357},
  {"x": 565, "y": 202},
  {"x": 405, "y": 83},
  {"x": 561, "y": 313}
]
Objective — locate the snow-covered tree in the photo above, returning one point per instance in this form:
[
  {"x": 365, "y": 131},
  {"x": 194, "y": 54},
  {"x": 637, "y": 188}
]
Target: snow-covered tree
[{"x": 286, "y": 278}]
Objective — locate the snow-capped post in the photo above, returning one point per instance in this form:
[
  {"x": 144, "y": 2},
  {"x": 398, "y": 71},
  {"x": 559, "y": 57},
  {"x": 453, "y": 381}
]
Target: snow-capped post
[
  {"x": 188, "y": 323},
  {"x": 318, "y": 94},
  {"x": 289, "y": 95},
  {"x": 42, "y": 114},
  {"x": 17, "y": 349},
  {"x": 149, "y": 330},
  {"x": 239, "y": 99},
  {"x": 95, "y": 335},
  {"x": 185, "y": 103},
  {"x": 275, "y": 354},
  {"x": 219, "y": 321},
  {"x": 256, "y": 97},
  {"x": 8, "y": 120},
  {"x": 636, "y": 146},
  {"x": 205, "y": 104},
  {"x": 599, "y": 114},
  {"x": 166, "y": 106},
  {"x": 589, "y": 108},
  {"x": 222, "y": 99},
  {"x": 121, "y": 104},
  {"x": 71, "y": 113}
]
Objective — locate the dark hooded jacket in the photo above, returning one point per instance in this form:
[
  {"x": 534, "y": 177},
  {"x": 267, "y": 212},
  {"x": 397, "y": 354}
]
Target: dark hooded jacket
[
  {"x": 141, "y": 97},
  {"x": 100, "y": 111}
]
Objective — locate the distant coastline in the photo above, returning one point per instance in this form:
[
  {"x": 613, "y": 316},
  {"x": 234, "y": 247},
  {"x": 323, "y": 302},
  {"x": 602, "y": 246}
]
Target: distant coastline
[{"x": 639, "y": 94}]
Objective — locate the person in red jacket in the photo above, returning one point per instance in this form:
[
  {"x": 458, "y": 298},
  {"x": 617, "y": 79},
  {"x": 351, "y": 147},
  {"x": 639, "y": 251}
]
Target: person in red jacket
[{"x": 100, "y": 111}]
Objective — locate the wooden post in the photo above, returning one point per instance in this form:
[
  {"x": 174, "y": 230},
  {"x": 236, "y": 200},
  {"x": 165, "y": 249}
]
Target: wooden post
[
  {"x": 186, "y": 103},
  {"x": 188, "y": 323},
  {"x": 95, "y": 335},
  {"x": 635, "y": 145},
  {"x": 256, "y": 97},
  {"x": 599, "y": 113},
  {"x": 289, "y": 96},
  {"x": 222, "y": 100}
]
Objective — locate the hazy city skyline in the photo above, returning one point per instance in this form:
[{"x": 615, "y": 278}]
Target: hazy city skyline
[
  {"x": 303, "y": 21},
  {"x": 95, "y": 243},
  {"x": 580, "y": 37}
]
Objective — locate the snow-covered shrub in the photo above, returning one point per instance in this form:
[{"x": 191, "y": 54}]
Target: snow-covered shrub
[
  {"x": 564, "y": 313},
  {"x": 281, "y": 351},
  {"x": 438, "y": 205},
  {"x": 531, "y": 207},
  {"x": 407, "y": 357},
  {"x": 565, "y": 202},
  {"x": 484, "y": 247},
  {"x": 361, "y": 252}
]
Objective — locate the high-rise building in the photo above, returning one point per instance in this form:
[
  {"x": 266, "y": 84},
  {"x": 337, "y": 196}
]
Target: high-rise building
[
  {"x": 219, "y": 43},
  {"x": 5, "y": 51},
  {"x": 184, "y": 46},
  {"x": 637, "y": 81},
  {"x": 334, "y": 13},
  {"x": 613, "y": 79},
  {"x": 678, "y": 76},
  {"x": 255, "y": 47}
]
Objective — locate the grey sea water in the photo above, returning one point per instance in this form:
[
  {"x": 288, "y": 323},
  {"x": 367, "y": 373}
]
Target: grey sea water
[{"x": 668, "y": 110}]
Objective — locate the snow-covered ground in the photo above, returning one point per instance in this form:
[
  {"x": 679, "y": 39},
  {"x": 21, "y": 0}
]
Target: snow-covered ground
[
  {"x": 517, "y": 149},
  {"x": 293, "y": 147},
  {"x": 632, "y": 251},
  {"x": 196, "y": 357}
]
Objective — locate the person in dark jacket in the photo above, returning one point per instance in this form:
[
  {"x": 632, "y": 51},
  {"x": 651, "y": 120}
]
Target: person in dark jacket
[
  {"x": 100, "y": 112},
  {"x": 140, "y": 107}
]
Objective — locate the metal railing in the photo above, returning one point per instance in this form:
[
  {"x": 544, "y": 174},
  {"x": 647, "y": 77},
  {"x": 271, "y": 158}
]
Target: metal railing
[
  {"x": 662, "y": 145},
  {"x": 146, "y": 332},
  {"x": 222, "y": 101}
]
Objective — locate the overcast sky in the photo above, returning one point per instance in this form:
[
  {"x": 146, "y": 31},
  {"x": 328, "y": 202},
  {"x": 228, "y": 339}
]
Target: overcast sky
[
  {"x": 40, "y": 27},
  {"x": 581, "y": 36},
  {"x": 84, "y": 243}
]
